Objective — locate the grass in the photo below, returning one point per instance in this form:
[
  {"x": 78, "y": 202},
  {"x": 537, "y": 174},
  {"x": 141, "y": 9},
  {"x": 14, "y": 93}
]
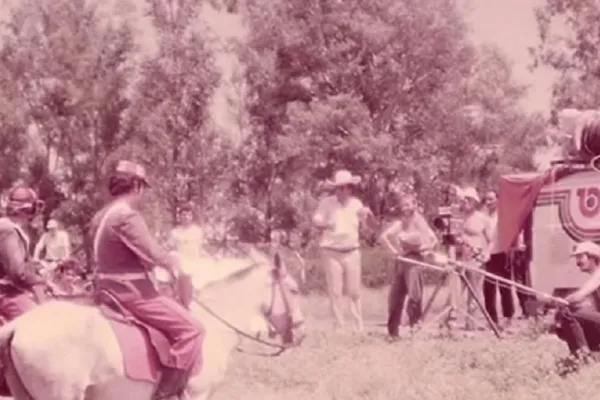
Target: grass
[{"x": 342, "y": 366}]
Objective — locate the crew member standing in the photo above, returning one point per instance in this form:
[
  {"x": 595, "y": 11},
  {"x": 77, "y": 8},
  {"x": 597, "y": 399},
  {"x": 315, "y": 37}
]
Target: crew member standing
[
  {"x": 339, "y": 218},
  {"x": 497, "y": 265},
  {"x": 410, "y": 236}
]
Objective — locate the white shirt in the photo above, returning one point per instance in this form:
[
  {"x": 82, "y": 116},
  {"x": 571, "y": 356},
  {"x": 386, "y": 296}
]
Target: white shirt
[
  {"x": 57, "y": 246},
  {"x": 345, "y": 219},
  {"x": 494, "y": 249},
  {"x": 187, "y": 240}
]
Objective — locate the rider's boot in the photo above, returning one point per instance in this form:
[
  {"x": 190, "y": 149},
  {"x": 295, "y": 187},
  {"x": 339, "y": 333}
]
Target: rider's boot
[{"x": 172, "y": 383}]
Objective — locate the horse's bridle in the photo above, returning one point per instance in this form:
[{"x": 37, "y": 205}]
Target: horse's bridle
[{"x": 277, "y": 284}]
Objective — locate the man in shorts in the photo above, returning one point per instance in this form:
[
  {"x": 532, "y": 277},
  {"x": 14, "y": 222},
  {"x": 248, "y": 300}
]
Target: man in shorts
[{"x": 339, "y": 218}]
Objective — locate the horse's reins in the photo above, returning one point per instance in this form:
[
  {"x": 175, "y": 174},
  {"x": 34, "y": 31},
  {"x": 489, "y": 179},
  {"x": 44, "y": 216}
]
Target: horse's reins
[{"x": 280, "y": 348}]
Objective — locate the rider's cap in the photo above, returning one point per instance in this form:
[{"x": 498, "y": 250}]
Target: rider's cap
[
  {"x": 131, "y": 170},
  {"x": 587, "y": 247}
]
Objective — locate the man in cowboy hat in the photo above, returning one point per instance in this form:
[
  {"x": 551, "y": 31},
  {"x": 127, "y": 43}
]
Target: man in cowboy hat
[
  {"x": 20, "y": 286},
  {"x": 409, "y": 236},
  {"x": 339, "y": 217},
  {"x": 475, "y": 243},
  {"x": 125, "y": 251},
  {"x": 579, "y": 323},
  {"x": 55, "y": 243}
]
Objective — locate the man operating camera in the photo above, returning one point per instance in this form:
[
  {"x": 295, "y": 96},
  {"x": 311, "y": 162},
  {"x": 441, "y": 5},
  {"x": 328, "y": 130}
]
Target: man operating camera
[{"x": 409, "y": 236}]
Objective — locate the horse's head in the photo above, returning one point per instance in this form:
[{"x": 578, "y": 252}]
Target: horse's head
[
  {"x": 236, "y": 288},
  {"x": 280, "y": 306}
]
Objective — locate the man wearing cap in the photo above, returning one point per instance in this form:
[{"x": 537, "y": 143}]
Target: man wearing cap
[
  {"x": 125, "y": 252},
  {"x": 338, "y": 217},
  {"x": 475, "y": 243},
  {"x": 55, "y": 243},
  {"x": 579, "y": 324},
  {"x": 410, "y": 236},
  {"x": 20, "y": 286}
]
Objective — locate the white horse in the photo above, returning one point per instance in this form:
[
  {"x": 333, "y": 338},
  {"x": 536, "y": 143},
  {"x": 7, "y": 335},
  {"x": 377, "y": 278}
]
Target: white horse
[{"x": 67, "y": 351}]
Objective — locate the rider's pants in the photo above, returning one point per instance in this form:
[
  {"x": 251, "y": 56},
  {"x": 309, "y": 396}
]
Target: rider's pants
[{"x": 176, "y": 323}]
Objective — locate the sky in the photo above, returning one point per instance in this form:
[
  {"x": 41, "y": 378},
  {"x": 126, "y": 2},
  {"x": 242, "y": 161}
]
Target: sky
[{"x": 511, "y": 25}]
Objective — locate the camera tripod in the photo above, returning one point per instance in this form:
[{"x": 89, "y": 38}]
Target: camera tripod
[{"x": 453, "y": 278}]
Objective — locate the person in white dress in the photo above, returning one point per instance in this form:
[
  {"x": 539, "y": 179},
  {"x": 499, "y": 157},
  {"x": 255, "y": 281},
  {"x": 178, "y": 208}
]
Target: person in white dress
[{"x": 187, "y": 239}]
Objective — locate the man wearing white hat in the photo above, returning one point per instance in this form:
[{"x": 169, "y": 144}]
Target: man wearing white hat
[
  {"x": 54, "y": 243},
  {"x": 339, "y": 217},
  {"x": 476, "y": 239},
  {"x": 579, "y": 324}
]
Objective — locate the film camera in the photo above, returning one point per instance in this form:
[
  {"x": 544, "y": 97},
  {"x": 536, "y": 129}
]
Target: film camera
[{"x": 443, "y": 222}]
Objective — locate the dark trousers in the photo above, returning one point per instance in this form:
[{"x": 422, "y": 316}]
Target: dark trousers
[
  {"x": 408, "y": 282},
  {"x": 579, "y": 328},
  {"x": 519, "y": 265},
  {"x": 498, "y": 265}
]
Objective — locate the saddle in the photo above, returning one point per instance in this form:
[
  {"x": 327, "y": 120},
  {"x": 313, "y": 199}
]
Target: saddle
[{"x": 146, "y": 349}]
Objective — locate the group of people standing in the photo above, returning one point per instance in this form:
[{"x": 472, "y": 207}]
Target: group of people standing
[{"x": 339, "y": 217}]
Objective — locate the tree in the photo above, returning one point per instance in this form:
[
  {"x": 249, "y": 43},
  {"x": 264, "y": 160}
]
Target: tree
[
  {"x": 377, "y": 87},
  {"x": 569, "y": 32},
  {"x": 171, "y": 112},
  {"x": 69, "y": 70}
]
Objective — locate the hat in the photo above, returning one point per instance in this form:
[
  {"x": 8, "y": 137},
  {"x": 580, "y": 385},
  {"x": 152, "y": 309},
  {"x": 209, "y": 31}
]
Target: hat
[
  {"x": 587, "y": 247},
  {"x": 51, "y": 224},
  {"x": 470, "y": 193},
  {"x": 342, "y": 178},
  {"x": 132, "y": 169}
]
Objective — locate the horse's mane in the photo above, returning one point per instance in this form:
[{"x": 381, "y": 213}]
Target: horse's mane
[{"x": 253, "y": 260}]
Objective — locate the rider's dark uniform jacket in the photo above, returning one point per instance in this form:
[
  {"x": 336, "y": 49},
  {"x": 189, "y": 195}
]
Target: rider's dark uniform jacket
[{"x": 15, "y": 267}]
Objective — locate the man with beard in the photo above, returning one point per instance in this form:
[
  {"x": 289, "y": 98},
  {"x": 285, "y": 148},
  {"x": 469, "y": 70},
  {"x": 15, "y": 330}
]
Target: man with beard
[
  {"x": 579, "y": 323},
  {"x": 409, "y": 236}
]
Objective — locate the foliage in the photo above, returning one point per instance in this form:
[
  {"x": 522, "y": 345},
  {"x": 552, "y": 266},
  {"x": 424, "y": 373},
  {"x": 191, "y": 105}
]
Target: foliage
[
  {"x": 394, "y": 91},
  {"x": 569, "y": 43}
]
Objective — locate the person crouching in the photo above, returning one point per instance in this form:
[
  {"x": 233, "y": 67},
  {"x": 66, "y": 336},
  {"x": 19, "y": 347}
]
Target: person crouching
[{"x": 578, "y": 324}]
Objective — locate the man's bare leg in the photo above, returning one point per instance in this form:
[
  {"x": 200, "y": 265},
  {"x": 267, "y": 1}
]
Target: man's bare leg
[
  {"x": 356, "y": 312},
  {"x": 334, "y": 304}
]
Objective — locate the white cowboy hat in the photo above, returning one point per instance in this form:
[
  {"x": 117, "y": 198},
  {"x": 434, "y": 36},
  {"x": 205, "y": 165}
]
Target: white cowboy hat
[
  {"x": 51, "y": 224},
  {"x": 589, "y": 248},
  {"x": 342, "y": 178},
  {"x": 470, "y": 193}
]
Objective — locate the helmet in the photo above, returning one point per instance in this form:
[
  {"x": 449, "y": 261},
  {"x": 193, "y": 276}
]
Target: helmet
[{"x": 23, "y": 199}]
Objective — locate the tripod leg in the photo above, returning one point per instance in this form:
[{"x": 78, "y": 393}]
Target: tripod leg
[
  {"x": 439, "y": 286},
  {"x": 443, "y": 315},
  {"x": 473, "y": 293}
]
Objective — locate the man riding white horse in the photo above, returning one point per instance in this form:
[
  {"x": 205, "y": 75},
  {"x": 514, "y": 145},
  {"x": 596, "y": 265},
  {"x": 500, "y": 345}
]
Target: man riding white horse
[
  {"x": 20, "y": 286},
  {"x": 125, "y": 252}
]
